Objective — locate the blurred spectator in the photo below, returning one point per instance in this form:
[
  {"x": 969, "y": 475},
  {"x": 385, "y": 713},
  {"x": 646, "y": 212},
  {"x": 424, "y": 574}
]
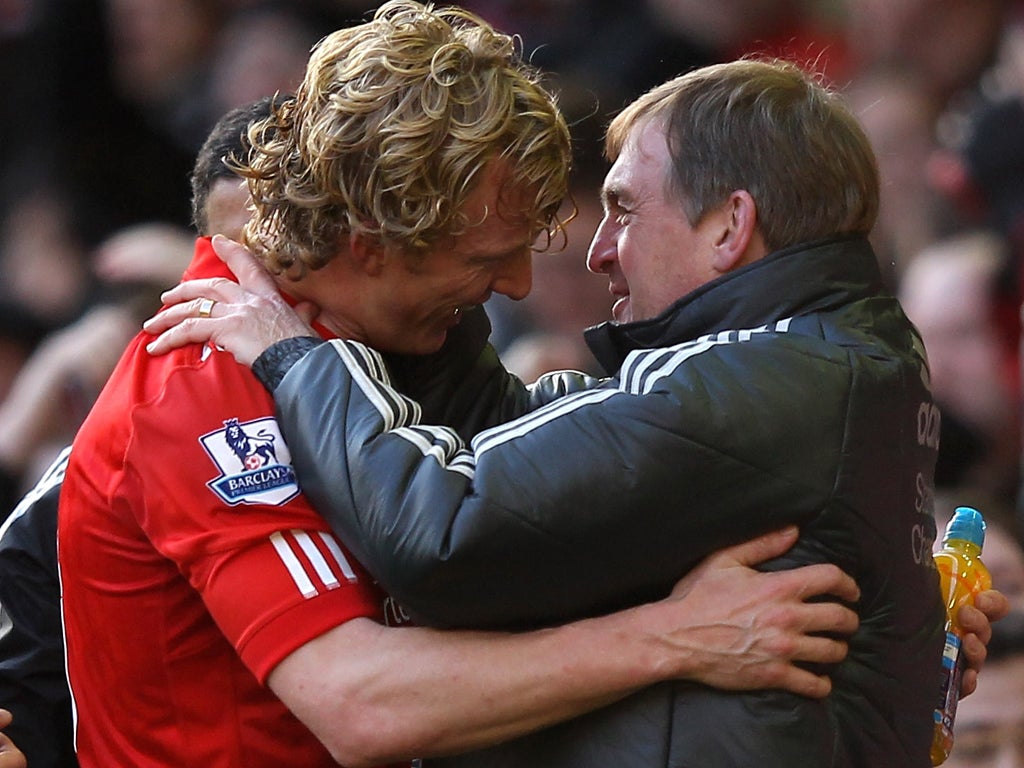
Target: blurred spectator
[
  {"x": 55, "y": 389},
  {"x": 948, "y": 44},
  {"x": 531, "y": 355},
  {"x": 146, "y": 253},
  {"x": 58, "y": 384},
  {"x": 898, "y": 115},
  {"x": 159, "y": 53},
  {"x": 989, "y": 729},
  {"x": 980, "y": 163},
  {"x": 261, "y": 51},
  {"x": 42, "y": 258},
  {"x": 808, "y": 32},
  {"x": 948, "y": 292}
]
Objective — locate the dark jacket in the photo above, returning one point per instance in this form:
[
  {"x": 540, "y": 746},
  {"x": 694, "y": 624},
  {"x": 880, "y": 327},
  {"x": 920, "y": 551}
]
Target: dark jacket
[
  {"x": 33, "y": 685},
  {"x": 792, "y": 390}
]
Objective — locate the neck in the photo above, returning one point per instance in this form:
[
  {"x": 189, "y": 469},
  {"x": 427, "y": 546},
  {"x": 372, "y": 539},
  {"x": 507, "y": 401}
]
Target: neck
[{"x": 334, "y": 291}]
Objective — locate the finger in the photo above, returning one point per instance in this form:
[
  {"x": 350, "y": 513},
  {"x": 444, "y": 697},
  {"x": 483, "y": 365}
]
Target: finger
[
  {"x": 249, "y": 271},
  {"x": 172, "y": 316},
  {"x": 217, "y": 288},
  {"x": 821, "y": 579},
  {"x": 827, "y": 617},
  {"x": 820, "y": 650},
  {"x": 993, "y": 603},
  {"x": 975, "y": 650},
  {"x": 758, "y": 550},
  {"x": 796, "y": 680},
  {"x": 5, "y": 718},
  {"x": 186, "y": 332},
  {"x": 973, "y": 621}
]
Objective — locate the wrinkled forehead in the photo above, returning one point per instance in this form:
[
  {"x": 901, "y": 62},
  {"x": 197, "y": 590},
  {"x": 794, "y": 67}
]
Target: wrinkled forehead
[{"x": 644, "y": 155}]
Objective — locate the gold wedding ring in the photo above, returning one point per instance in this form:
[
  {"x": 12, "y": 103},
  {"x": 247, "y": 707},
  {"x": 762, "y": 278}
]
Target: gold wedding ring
[{"x": 206, "y": 307}]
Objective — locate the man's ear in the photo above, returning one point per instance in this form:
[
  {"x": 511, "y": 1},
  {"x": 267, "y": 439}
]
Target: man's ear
[
  {"x": 738, "y": 239},
  {"x": 368, "y": 253}
]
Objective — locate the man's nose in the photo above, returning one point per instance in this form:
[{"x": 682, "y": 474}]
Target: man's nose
[
  {"x": 515, "y": 277},
  {"x": 602, "y": 249}
]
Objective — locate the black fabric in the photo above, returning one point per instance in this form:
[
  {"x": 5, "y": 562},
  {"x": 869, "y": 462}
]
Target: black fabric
[
  {"x": 705, "y": 436},
  {"x": 32, "y": 681},
  {"x": 275, "y": 361}
]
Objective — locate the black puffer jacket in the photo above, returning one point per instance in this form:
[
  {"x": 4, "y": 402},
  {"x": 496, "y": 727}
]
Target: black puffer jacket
[
  {"x": 33, "y": 685},
  {"x": 793, "y": 390}
]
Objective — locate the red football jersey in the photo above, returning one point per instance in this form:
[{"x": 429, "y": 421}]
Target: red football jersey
[{"x": 191, "y": 564}]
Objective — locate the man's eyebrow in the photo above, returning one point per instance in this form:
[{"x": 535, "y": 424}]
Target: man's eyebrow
[
  {"x": 610, "y": 195},
  {"x": 504, "y": 254}
]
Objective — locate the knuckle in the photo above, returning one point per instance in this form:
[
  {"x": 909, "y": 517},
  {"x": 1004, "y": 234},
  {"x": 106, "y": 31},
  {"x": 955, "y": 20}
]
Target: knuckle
[{"x": 781, "y": 645}]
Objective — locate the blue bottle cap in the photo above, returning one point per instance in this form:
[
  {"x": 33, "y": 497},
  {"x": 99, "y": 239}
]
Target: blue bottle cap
[{"x": 967, "y": 525}]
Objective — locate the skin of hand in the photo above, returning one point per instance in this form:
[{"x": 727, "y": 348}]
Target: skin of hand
[
  {"x": 10, "y": 755},
  {"x": 375, "y": 694},
  {"x": 770, "y": 625},
  {"x": 989, "y": 606},
  {"x": 248, "y": 316}
]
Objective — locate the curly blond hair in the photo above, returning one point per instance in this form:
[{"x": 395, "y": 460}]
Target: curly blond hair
[{"x": 389, "y": 132}]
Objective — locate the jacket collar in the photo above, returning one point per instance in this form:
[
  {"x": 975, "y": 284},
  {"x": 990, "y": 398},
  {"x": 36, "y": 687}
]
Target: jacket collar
[{"x": 805, "y": 278}]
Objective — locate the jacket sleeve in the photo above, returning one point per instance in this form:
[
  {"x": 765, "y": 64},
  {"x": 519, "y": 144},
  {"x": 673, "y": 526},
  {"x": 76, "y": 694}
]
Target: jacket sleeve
[
  {"x": 600, "y": 499},
  {"x": 463, "y": 385},
  {"x": 33, "y": 685}
]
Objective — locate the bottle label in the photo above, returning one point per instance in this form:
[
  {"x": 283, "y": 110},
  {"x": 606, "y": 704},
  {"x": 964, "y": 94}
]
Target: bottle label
[{"x": 952, "y": 669}]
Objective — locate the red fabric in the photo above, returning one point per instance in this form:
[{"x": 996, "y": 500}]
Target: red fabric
[{"x": 189, "y": 569}]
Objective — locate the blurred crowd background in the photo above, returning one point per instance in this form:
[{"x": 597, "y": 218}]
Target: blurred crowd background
[{"x": 105, "y": 103}]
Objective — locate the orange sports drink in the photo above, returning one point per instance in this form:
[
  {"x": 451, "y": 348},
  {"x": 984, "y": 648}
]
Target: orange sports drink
[{"x": 962, "y": 575}]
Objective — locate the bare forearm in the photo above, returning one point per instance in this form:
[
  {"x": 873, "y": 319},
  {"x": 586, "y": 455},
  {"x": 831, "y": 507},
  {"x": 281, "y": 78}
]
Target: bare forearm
[
  {"x": 392, "y": 694},
  {"x": 374, "y": 694}
]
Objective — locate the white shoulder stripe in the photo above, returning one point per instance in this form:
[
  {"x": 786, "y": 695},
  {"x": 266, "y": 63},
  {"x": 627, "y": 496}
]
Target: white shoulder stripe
[
  {"x": 441, "y": 444},
  {"x": 293, "y": 565},
  {"x": 319, "y": 567},
  {"x": 495, "y": 436},
  {"x": 644, "y": 367},
  {"x": 641, "y": 381},
  {"x": 339, "y": 557},
  {"x": 401, "y": 416},
  {"x": 316, "y": 559},
  {"x": 374, "y": 363},
  {"x": 639, "y": 374},
  {"x": 346, "y": 351},
  {"x": 394, "y": 409}
]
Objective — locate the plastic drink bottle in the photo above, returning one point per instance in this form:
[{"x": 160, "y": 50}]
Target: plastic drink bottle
[{"x": 962, "y": 576}]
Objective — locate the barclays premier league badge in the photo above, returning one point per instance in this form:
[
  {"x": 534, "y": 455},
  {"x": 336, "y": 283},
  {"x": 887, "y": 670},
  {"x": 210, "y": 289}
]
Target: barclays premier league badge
[{"x": 254, "y": 463}]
